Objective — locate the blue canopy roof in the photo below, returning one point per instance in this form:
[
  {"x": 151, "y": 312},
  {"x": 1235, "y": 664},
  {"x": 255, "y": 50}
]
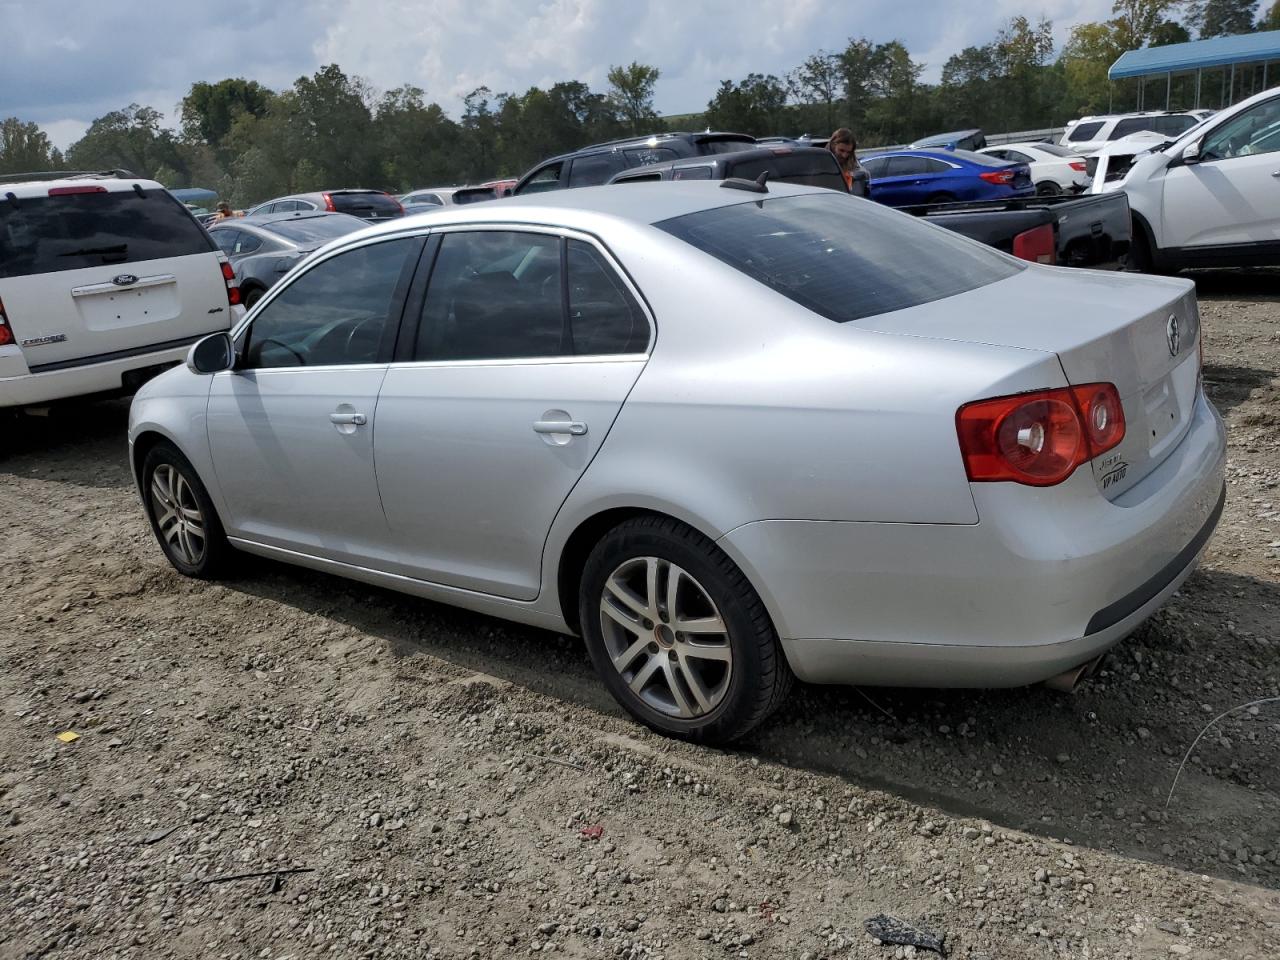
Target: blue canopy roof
[
  {"x": 194, "y": 195},
  {"x": 1215, "y": 52}
]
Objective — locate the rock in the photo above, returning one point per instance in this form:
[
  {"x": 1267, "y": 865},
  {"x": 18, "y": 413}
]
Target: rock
[
  {"x": 1179, "y": 949},
  {"x": 785, "y": 818},
  {"x": 972, "y": 833},
  {"x": 548, "y": 928},
  {"x": 376, "y": 820},
  {"x": 1042, "y": 875},
  {"x": 702, "y": 933},
  {"x": 1169, "y": 927},
  {"x": 1064, "y": 758}
]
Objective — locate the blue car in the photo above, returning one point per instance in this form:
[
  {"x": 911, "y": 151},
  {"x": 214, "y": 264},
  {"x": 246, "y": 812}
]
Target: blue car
[{"x": 904, "y": 178}]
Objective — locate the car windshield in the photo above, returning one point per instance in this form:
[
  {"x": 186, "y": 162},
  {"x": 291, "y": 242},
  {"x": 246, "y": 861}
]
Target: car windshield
[
  {"x": 369, "y": 204},
  {"x": 843, "y": 258},
  {"x": 313, "y": 229}
]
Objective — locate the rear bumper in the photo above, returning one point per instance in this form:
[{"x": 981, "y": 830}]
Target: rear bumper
[
  {"x": 1045, "y": 581},
  {"x": 30, "y": 389}
]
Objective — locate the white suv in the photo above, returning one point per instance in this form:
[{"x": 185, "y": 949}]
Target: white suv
[
  {"x": 1088, "y": 134},
  {"x": 105, "y": 280}
]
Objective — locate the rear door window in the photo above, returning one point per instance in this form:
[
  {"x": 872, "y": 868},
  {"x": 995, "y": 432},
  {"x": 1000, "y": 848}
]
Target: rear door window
[
  {"x": 842, "y": 259},
  {"x": 70, "y": 232},
  {"x": 907, "y": 166},
  {"x": 818, "y": 169},
  {"x": 594, "y": 169},
  {"x": 640, "y": 156},
  {"x": 1085, "y": 131},
  {"x": 548, "y": 178},
  {"x": 603, "y": 316},
  {"x": 876, "y": 166}
]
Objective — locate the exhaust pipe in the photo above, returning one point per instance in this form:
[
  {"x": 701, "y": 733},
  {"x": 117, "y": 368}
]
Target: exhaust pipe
[{"x": 1068, "y": 680}]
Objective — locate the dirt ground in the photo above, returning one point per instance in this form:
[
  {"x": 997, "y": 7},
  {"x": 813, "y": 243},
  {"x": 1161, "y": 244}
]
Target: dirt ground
[{"x": 438, "y": 777}]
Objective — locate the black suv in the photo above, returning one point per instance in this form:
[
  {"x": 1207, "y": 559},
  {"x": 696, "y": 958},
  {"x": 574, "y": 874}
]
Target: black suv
[
  {"x": 596, "y": 164},
  {"x": 782, "y": 164}
]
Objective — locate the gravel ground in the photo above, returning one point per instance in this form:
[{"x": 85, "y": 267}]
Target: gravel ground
[{"x": 449, "y": 785}]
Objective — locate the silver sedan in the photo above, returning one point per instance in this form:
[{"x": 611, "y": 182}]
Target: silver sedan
[{"x": 729, "y": 437}]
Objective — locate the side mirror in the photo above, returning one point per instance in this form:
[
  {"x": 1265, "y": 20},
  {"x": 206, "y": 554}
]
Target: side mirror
[
  {"x": 213, "y": 354},
  {"x": 1191, "y": 154}
]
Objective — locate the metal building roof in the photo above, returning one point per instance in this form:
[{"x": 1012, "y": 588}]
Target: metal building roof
[{"x": 1215, "y": 52}]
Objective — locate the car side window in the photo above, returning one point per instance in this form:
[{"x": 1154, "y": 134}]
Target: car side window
[
  {"x": 594, "y": 169},
  {"x": 1084, "y": 131},
  {"x": 998, "y": 154},
  {"x": 935, "y": 166},
  {"x": 604, "y": 318},
  {"x": 1131, "y": 125},
  {"x": 1253, "y": 132},
  {"x": 1016, "y": 157},
  {"x": 494, "y": 295},
  {"x": 548, "y": 178},
  {"x": 226, "y": 240},
  {"x": 642, "y": 156},
  {"x": 906, "y": 166},
  {"x": 429, "y": 198},
  {"x": 246, "y": 243},
  {"x": 335, "y": 313},
  {"x": 875, "y": 166},
  {"x": 692, "y": 173}
]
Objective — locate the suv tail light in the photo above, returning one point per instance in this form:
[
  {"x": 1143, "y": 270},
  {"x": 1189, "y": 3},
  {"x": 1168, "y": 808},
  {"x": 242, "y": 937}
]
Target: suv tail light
[
  {"x": 233, "y": 285},
  {"x": 1004, "y": 176},
  {"x": 1039, "y": 438},
  {"x": 328, "y": 203},
  {"x": 1038, "y": 245},
  {"x": 6, "y": 332}
]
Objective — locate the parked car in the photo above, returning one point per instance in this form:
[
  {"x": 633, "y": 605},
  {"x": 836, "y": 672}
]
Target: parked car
[
  {"x": 1210, "y": 197},
  {"x": 105, "y": 279},
  {"x": 264, "y": 248},
  {"x": 428, "y": 197},
  {"x": 900, "y": 178},
  {"x": 973, "y": 471},
  {"x": 501, "y": 188},
  {"x": 778, "y": 163},
  {"x": 370, "y": 205},
  {"x": 1089, "y": 134},
  {"x": 596, "y": 164},
  {"x": 1054, "y": 169},
  {"x": 956, "y": 140}
]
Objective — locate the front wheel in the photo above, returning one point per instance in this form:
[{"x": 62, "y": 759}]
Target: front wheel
[
  {"x": 182, "y": 516},
  {"x": 678, "y": 634}
]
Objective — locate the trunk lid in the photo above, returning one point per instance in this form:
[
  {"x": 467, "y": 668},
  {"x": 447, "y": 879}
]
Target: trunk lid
[{"x": 1139, "y": 333}]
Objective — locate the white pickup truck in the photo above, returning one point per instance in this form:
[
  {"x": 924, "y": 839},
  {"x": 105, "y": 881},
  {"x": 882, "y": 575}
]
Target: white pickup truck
[{"x": 1210, "y": 198}]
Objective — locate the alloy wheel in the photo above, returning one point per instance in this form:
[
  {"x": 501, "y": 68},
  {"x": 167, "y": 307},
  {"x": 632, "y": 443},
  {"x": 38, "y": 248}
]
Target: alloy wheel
[
  {"x": 177, "y": 512},
  {"x": 666, "y": 637}
]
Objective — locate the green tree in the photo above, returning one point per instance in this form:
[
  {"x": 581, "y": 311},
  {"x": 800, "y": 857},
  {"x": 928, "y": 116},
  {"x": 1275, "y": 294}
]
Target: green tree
[
  {"x": 1090, "y": 50},
  {"x": 336, "y": 127},
  {"x": 25, "y": 148},
  {"x": 1221, "y": 18},
  {"x": 1136, "y": 21},
  {"x": 1021, "y": 51},
  {"x": 417, "y": 140},
  {"x": 131, "y": 139},
  {"x": 631, "y": 91},
  {"x": 209, "y": 109},
  {"x": 754, "y": 105},
  {"x": 1271, "y": 19},
  {"x": 819, "y": 80},
  {"x": 1170, "y": 31}
]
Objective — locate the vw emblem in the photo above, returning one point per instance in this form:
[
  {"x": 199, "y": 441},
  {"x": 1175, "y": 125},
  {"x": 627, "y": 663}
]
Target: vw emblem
[
  {"x": 124, "y": 280},
  {"x": 1173, "y": 335}
]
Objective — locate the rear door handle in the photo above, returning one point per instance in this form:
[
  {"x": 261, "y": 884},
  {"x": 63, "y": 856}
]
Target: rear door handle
[
  {"x": 359, "y": 419},
  {"x": 575, "y": 428},
  {"x": 1276, "y": 174}
]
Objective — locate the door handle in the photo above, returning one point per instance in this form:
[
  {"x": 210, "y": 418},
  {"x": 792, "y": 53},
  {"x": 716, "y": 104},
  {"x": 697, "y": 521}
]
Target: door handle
[
  {"x": 359, "y": 419},
  {"x": 574, "y": 428},
  {"x": 1276, "y": 174}
]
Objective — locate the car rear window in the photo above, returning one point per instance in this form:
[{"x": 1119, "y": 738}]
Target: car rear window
[
  {"x": 843, "y": 258},
  {"x": 818, "y": 169},
  {"x": 53, "y": 234},
  {"x": 366, "y": 204},
  {"x": 310, "y": 229},
  {"x": 1056, "y": 149},
  {"x": 1084, "y": 131}
]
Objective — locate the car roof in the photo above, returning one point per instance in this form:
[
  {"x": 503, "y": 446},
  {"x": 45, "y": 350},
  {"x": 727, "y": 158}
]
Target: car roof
[
  {"x": 270, "y": 219},
  {"x": 584, "y": 208}
]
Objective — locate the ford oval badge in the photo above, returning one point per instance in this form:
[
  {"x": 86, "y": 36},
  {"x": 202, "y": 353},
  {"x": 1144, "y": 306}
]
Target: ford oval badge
[{"x": 124, "y": 280}]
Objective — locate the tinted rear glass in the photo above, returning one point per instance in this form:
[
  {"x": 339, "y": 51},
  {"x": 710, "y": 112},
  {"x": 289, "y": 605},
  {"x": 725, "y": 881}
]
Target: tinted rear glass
[
  {"x": 810, "y": 170},
  {"x": 52, "y": 234},
  {"x": 1055, "y": 149},
  {"x": 311, "y": 229},
  {"x": 1084, "y": 131},
  {"x": 366, "y": 204},
  {"x": 981, "y": 159},
  {"x": 724, "y": 146},
  {"x": 843, "y": 258}
]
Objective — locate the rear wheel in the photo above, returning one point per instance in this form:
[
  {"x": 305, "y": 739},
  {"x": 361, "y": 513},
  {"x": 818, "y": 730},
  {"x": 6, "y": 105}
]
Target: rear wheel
[
  {"x": 182, "y": 516},
  {"x": 252, "y": 296},
  {"x": 678, "y": 635},
  {"x": 1048, "y": 188}
]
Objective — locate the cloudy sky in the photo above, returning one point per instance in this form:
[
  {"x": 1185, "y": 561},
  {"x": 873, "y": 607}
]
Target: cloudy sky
[{"x": 65, "y": 62}]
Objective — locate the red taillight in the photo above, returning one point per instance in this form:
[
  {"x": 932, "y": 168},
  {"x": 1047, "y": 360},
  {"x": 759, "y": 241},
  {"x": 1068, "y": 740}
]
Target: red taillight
[
  {"x": 997, "y": 176},
  {"x": 1078, "y": 166},
  {"x": 233, "y": 285},
  {"x": 6, "y": 334},
  {"x": 328, "y": 203},
  {"x": 69, "y": 191},
  {"x": 1038, "y": 245},
  {"x": 1039, "y": 438},
  {"x": 396, "y": 202}
]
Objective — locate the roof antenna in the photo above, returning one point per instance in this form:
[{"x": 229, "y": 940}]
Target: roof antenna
[{"x": 760, "y": 180}]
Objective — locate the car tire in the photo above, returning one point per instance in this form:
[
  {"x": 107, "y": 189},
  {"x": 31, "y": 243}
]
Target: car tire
[
  {"x": 1048, "y": 188},
  {"x": 711, "y": 684},
  {"x": 182, "y": 516},
  {"x": 252, "y": 296}
]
